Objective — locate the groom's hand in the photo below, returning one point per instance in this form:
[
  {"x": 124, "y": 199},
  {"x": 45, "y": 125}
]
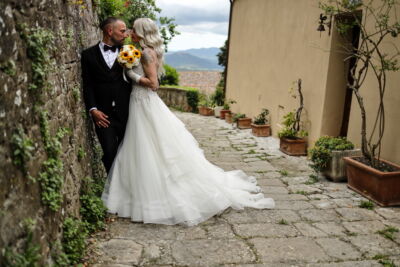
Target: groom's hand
[{"x": 100, "y": 119}]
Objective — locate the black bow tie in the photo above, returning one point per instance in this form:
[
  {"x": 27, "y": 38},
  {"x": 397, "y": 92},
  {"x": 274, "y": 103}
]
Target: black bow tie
[{"x": 112, "y": 48}]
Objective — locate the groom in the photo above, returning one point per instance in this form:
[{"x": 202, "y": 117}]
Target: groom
[{"x": 105, "y": 92}]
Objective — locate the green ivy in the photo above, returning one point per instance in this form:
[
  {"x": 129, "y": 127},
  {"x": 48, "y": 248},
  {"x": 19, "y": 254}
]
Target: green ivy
[
  {"x": 22, "y": 147},
  {"x": 39, "y": 41},
  {"x": 8, "y": 68},
  {"x": 59, "y": 257},
  {"x": 81, "y": 153},
  {"x": 321, "y": 153},
  {"x": 93, "y": 212},
  {"x": 73, "y": 240},
  {"x": 76, "y": 93},
  {"x": 30, "y": 256},
  {"x": 51, "y": 176},
  {"x": 92, "y": 209}
]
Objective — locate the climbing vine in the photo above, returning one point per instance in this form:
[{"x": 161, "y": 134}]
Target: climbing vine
[
  {"x": 39, "y": 41},
  {"x": 51, "y": 177},
  {"x": 22, "y": 146},
  {"x": 30, "y": 254}
]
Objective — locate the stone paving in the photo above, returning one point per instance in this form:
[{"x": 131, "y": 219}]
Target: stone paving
[{"x": 315, "y": 223}]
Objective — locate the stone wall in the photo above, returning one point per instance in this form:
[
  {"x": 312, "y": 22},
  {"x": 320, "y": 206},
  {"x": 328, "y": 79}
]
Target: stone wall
[
  {"x": 174, "y": 97},
  {"x": 40, "y": 45}
]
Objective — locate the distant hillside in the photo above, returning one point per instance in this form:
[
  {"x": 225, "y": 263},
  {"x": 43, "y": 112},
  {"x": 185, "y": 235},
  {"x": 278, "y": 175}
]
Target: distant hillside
[
  {"x": 194, "y": 59},
  {"x": 206, "y": 53},
  {"x": 186, "y": 61}
]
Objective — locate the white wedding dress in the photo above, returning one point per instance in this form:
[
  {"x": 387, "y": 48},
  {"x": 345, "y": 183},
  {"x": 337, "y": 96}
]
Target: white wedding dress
[{"x": 161, "y": 176}]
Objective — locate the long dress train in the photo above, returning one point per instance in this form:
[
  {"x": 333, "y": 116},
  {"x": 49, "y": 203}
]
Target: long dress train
[{"x": 161, "y": 176}]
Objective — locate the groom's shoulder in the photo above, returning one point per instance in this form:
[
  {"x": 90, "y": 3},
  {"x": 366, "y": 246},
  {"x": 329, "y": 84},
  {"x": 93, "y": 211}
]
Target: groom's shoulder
[{"x": 90, "y": 50}]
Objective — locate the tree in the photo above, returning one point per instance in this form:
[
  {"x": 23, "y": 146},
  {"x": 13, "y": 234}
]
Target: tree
[
  {"x": 130, "y": 10},
  {"x": 222, "y": 61},
  {"x": 369, "y": 57}
]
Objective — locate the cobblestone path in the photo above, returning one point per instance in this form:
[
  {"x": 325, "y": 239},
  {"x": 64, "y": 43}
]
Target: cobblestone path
[{"x": 314, "y": 223}]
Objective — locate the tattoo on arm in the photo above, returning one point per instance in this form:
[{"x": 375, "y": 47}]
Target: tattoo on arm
[{"x": 147, "y": 57}]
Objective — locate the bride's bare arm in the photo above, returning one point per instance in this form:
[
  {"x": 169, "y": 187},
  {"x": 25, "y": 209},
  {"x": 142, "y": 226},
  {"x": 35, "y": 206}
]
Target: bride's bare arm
[{"x": 149, "y": 63}]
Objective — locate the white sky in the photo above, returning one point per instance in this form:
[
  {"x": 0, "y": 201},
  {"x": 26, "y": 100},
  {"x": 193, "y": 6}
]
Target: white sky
[{"x": 202, "y": 23}]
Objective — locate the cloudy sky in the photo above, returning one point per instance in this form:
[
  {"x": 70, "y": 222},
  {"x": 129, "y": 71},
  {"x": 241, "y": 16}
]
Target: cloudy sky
[{"x": 202, "y": 23}]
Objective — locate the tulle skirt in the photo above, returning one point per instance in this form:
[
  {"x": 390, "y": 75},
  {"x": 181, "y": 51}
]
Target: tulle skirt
[{"x": 160, "y": 175}]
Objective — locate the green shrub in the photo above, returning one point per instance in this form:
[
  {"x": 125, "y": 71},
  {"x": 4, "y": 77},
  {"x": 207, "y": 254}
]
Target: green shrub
[
  {"x": 171, "y": 76},
  {"x": 320, "y": 154},
  {"x": 92, "y": 209},
  {"x": 193, "y": 98},
  {"x": 218, "y": 97},
  {"x": 93, "y": 212},
  {"x": 73, "y": 241},
  {"x": 261, "y": 119}
]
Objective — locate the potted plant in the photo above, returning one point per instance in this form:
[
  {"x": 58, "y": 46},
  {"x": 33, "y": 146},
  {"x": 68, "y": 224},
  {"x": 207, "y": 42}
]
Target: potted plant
[
  {"x": 369, "y": 175},
  {"x": 217, "y": 99},
  {"x": 291, "y": 137},
  {"x": 229, "y": 117},
  {"x": 259, "y": 127},
  {"x": 327, "y": 156},
  {"x": 242, "y": 121},
  {"x": 205, "y": 107},
  {"x": 226, "y": 108}
]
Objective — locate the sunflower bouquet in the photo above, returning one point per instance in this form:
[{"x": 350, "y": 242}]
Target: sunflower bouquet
[{"x": 129, "y": 56}]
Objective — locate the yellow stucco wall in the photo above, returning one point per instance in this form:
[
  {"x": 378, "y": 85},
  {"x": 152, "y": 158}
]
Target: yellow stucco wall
[{"x": 272, "y": 44}]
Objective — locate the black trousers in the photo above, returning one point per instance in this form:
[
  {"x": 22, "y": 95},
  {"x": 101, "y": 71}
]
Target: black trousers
[{"x": 109, "y": 139}]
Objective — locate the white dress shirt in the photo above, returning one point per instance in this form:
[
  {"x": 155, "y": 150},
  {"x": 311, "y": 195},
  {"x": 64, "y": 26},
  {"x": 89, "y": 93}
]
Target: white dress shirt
[{"x": 109, "y": 56}]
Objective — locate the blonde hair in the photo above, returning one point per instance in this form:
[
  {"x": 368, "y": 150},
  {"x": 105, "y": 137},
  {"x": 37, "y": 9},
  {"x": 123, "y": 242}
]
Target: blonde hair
[{"x": 149, "y": 35}]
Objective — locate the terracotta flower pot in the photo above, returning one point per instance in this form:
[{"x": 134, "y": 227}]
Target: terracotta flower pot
[
  {"x": 381, "y": 187},
  {"x": 262, "y": 130},
  {"x": 293, "y": 147},
  {"x": 229, "y": 117},
  {"x": 336, "y": 169},
  {"x": 244, "y": 123},
  {"x": 206, "y": 111},
  {"x": 223, "y": 112}
]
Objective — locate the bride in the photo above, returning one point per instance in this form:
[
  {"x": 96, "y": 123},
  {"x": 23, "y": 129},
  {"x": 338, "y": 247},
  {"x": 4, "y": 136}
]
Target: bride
[{"x": 160, "y": 175}]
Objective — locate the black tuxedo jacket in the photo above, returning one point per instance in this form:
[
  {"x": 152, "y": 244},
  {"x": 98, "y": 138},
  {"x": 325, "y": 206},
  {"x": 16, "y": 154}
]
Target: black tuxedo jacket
[{"x": 104, "y": 88}]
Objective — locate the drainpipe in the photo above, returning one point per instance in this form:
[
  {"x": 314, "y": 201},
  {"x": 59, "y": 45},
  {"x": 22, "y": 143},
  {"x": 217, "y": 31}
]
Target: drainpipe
[{"x": 227, "y": 45}]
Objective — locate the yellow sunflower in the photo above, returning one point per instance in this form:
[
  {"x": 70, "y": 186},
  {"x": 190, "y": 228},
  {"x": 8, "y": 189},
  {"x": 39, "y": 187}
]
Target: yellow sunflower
[{"x": 137, "y": 53}]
